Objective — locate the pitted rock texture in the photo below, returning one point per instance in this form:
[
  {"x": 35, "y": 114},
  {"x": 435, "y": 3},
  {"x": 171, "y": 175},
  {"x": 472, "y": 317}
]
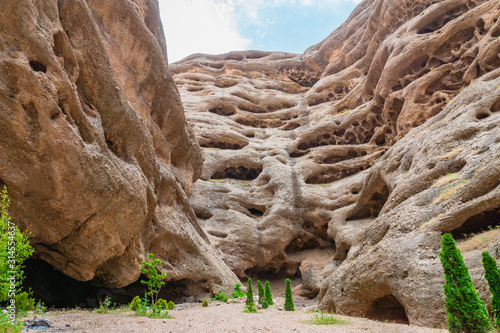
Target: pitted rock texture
[
  {"x": 94, "y": 147},
  {"x": 369, "y": 145}
]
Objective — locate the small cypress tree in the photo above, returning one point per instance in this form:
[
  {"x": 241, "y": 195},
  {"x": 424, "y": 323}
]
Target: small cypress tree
[
  {"x": 492, "y": 275},
  {"x": 250, "y": 293},
  {"x": 289, "y": 306},
  {"x": 268, "y": 295},
  {"x": 466, "y": 312},
  {"x": 264, "y": 304},
  {"x": 261, "y": 291}
]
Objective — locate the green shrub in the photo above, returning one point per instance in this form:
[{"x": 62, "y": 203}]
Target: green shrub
[
  {"x": 204, "y": 303},
  {"x": 9, "y": 326},
  {"x": 136, "y": 303},
  {"x": 289, "y": 306},
  {"x": 261, "y": 291},
  {"x": 492, "y": 275},
  {"x": 237, "y": 291},
  {"x": 221, "y": 296},
  {"x": 265, "y": 305},
  {"x": 15, "y": 248},
  {"x": 250, "y": 293},
  {"x": 142, "y": 307},
  {"x": 170, "y": 305},
  {"x": 250, "y": 308},
  {"x": 40, "y": 308},
  {"x": 104, "y": 305},
  {"x": 466, "y": 312},
  {"x": 268, "y": 295},
  {"x": 24, "y": 302},
  {"x": 162, "y": 304},
  {"x": 157, "y": 313},
  {"x": 155, "y": 279}
]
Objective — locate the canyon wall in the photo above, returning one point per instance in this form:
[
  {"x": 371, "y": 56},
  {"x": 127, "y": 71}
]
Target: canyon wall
[
  {"x": 94, "y": 146},
  {"x": 346, "y": 163}
]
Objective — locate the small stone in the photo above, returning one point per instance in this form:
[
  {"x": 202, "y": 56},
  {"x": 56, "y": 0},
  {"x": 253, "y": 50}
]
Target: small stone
[
  {"x": 280, "y": 308},
  {"x": 39, "y": 321},
  {"x": 190, "y": 299}
]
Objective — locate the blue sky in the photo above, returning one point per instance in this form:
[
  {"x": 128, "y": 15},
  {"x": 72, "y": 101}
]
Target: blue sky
[{"x": 220, "y": 26}]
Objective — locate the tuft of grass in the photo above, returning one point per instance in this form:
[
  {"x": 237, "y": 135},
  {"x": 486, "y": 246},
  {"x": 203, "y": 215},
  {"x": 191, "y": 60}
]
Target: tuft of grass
[
  {"x": 451, "y": 154},
  {"x": 446, "y": 179},
  {"x": 325, "y": 319},
  {"x": 217, "y": 180},
  {"x": 449, "y": 191},
  {"x": 430, "y": 222}
]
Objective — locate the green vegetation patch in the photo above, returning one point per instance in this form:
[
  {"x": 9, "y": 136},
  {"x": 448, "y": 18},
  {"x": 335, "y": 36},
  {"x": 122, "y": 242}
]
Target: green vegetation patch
[{"x": 325, "y": 319}]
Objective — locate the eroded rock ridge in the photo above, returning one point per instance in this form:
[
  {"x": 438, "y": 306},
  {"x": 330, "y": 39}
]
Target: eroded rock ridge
[
  {"x": 349, "y": 161},
  {"x": 94, "y": 146}
]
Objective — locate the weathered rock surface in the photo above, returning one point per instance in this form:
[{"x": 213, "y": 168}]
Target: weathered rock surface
[
  {"x": 94, "y": 146},
  {"x": 372, "y": 143}
]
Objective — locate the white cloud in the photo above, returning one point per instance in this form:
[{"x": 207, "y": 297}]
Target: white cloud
[
  {"x": 200, "y": 26},
  {"x": 211, "y": 26}
]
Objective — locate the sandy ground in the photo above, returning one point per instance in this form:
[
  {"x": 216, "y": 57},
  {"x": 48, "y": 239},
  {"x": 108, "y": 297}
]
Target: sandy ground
[{"x": 217, "y": 317}]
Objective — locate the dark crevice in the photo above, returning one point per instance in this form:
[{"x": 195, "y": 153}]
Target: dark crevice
[
  {"x": 334, "y": 175},
  {"x": 223, "y": 145},
  {"x": 299, "y": 153},
  {"x": 38, "y": 66},
  {"x": 223, "y": 110},
  {"x": 241, "y": 172},
  {"x": 205, "y": 215},
  {"x": 372, "y": 207},
  {"x": 255, "y": 212},
  {"x": 495, "y": 107},
  {"x": 313, "y": 237},
  {"x": 481, "y": 222}
]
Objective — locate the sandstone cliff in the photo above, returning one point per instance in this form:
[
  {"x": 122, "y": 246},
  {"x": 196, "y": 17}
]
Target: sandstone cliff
[
  {"x": 94, "y": 146},
  {"x": 362, "y": 150}
]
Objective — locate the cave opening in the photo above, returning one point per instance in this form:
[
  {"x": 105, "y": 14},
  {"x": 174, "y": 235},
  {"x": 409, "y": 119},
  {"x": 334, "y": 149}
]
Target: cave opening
[
  {"x": 58, "y": 290},
  {"x": 478, "y": 223},
  {"x": 387, "y": 309},
  {"x": 255, "y": 212},
  {"x": 241, "y": 173},
  {"x": 37, "y": 66}
]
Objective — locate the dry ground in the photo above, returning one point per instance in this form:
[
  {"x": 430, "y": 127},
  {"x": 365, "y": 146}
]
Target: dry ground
[{"x": 217, "y": 317}]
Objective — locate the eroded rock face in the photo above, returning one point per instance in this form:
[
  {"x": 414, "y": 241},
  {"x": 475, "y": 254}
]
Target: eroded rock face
[
  {"x": 94, "y": 147},
  {"x": 344, "y": 148}
]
